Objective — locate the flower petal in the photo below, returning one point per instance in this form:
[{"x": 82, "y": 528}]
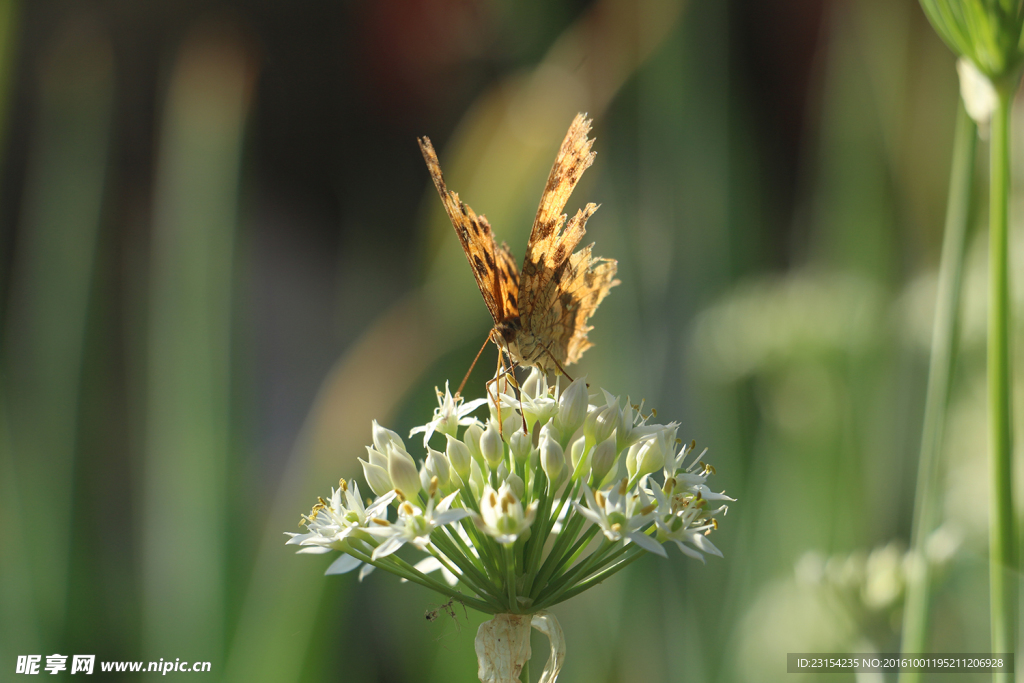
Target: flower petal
[
  {"x": 647, "y": 543},
  {"x": 343, "y": 565}
]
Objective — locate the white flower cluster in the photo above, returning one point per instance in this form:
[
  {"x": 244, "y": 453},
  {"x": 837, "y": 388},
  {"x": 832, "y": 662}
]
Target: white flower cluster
[{"x": 511, "y": 509}]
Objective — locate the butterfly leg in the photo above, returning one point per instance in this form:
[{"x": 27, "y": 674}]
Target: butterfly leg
[
  {"x": 557, "y": 364},
  {"x": 472, "y": 365},
  {"x": 499, "y": 373}
]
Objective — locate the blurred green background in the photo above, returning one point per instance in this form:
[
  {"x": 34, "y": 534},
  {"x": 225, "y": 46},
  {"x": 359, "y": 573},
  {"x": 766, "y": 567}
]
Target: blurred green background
[{"x": 221, "y": 256}]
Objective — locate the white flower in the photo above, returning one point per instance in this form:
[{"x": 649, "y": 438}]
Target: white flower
[
  {"x": 537, "y": 405},
  {"x": 649, "y": 454},
  {"x": 330, "y": 525},
  {"x": 632, "y": 424},
  {"x": 683, "y": 517},
  {"x": 502, "y": 515},
  {"x": 450, "y": 413},
  {"x": 620, "y": 514},
  {"x": 414, "y": 525}
]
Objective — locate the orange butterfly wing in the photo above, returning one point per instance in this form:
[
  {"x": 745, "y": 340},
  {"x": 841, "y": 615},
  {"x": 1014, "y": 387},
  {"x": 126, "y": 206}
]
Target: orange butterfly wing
[
  {"x": 559, "y": 290},
  {"x": 493, "y": 267}
]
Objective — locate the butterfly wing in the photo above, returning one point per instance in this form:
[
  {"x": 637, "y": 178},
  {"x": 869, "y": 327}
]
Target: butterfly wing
[
  {"x": 558, "y": 289},
  {"x": 493, "y": 267}
]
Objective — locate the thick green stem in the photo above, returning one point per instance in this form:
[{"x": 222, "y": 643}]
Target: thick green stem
[
  {"x": 1002, "y": 541},
  {"x": 940, "y": 372}
]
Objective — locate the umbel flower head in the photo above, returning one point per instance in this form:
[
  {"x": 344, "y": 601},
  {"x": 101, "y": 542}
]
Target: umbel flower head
[
  {"x": 540, "y": 497},
  {"x": 550, "y": 492}
]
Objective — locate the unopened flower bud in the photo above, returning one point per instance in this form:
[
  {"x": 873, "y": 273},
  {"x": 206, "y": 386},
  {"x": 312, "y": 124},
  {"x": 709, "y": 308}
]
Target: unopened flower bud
[
  {"x": 520, "y": 444},
  {"x": 458, "y": 456},
  {"x": 552, "y": 459},
  {"x": 402, "y": 469},
  {"x": 572, "y": 407},
  {"x": 576, "y": 451},
  {"x": 471, "y": 438},
  {"x": 602, "y": 460},
  {"x": 511, "y": 424},
  {"x": 600, "y": 423},
  {"x": 383, "y": 436},
  {"x": 437, "y": 464},
  {"x": 377, "y": 477},
  {"x": 491, "y": 448},
  {"x": 631, "y": 454},
  {"x": 376, "y": 457},
  {"x": 516, "y": 483}
]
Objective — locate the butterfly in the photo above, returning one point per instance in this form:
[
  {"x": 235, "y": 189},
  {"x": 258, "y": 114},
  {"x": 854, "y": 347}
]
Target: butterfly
[{"x": 540, "y": 313}]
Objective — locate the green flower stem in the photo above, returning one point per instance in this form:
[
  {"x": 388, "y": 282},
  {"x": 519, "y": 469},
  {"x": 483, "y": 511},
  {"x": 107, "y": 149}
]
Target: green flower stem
[
  {"x": 553, "y": 561},
  {"x": 1002, "y": 551},
  {"x": 580, "y": 571},
  {"x": 536, "y": 542},
  {"x": 940, "y": 373},
  {"x": 524, "y": 675},
  {"x": 471, "y": 556},
  {"x": 403, "y": 569},
  {"x": 576, "y": 550},
  {"x": 554, "y": 590},
  {"x": 575, "y": 524},
  {"x": 598, "y": 577},
  {"x": 485, "y": 595},
  {"x": 468, "y": 574},
  {"x": 510, "y": 578}
]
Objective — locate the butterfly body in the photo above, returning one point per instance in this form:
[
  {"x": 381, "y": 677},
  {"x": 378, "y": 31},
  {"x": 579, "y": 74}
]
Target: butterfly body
[{"x": 540, "y": 313}]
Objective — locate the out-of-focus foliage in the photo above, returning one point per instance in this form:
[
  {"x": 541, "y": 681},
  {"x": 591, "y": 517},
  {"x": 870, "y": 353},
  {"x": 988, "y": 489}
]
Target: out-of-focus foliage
[{"x": 221, "y": 256}]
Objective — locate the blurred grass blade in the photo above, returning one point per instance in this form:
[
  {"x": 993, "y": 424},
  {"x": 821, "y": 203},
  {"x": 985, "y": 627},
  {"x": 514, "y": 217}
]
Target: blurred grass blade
[
  {"x": 45, "y": 330},
  {"x": 940, "y": 374},
  {"x": 188, "y": 357}
]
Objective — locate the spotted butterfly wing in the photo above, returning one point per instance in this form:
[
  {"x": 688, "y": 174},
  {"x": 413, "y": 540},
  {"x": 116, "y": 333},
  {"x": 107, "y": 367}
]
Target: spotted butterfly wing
[
  {"x": 493, "y": 267},
  {"x": 560, "y": 289},
  {"x": 541, "y": 314}
]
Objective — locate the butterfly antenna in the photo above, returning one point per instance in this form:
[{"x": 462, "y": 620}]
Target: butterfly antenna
[{"x": 462, "y": 384}]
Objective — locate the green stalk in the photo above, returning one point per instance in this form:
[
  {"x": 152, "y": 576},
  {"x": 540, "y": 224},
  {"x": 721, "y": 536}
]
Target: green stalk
[
  {"x": 510, "y": 578},
  {"x": 466, "y": 571},
  {"x": 553, "y": 591},
  {"x": 596, "y": 578},
  {"x": 405, "y": 570},
  {"x": 1002, "y": 551},
  {"x": 940, "y": 372},
  {"x": 570, "y": 527},
  {"x": 576, "y": 550}
]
